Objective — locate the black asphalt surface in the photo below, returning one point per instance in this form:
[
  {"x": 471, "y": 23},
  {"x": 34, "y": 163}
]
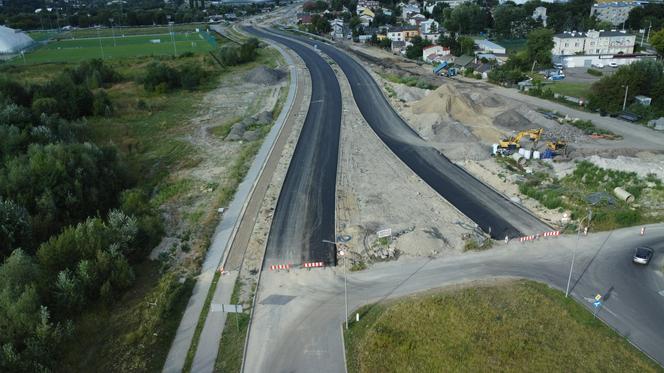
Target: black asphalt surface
[
  {"x": 305, "y": 212},
  {"x": 487, "y": 208}
]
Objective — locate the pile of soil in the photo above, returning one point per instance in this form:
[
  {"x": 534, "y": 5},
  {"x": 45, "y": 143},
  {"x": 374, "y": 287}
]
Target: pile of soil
[
  {"x": 512, "y": 119},
  {"x": 450, "y": 103},
  {"x": 409, "y": 94},
  {"x": 264, "y": 75}
]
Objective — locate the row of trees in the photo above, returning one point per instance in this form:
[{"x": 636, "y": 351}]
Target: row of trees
[
  {"x": 58, "y": 254},
  {"x": 21, "y": 13}
]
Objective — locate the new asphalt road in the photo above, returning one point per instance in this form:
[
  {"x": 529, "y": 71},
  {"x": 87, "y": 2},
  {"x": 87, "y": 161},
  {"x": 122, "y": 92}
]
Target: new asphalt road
[
  {"x": 305, "y": 212},
  {"x": 298, "y": 319},
  {"x": 489, "y": 209}
]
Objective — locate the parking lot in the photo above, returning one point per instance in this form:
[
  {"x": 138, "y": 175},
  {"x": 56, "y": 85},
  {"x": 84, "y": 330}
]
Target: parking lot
[{"x": 580, "y": 74}]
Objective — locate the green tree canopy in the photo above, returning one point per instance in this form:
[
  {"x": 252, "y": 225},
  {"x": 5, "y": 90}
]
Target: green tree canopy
[{"x": 539, "y": 46}]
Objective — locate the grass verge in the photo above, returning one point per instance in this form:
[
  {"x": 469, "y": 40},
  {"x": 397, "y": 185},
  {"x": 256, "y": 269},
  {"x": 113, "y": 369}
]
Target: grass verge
[
  {"x": 511, "y": 327},
  {"x": 231, "y": 348},
  {"x": 570, "y": 88}
]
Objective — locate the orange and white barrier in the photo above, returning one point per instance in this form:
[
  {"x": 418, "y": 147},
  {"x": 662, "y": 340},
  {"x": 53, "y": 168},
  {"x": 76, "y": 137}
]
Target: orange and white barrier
[
  {"x": 313, "y": 265},
  {"x": 277, "y": 267},
  {"x": 551, "y": 234}
]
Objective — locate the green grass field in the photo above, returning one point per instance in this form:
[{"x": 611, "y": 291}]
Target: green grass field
[
  {"x": 152, "y": 30},
  {"x": 113, "y": 48},
  {"x": 519, "y": 326},
  {"x": 570, "y": 88}
]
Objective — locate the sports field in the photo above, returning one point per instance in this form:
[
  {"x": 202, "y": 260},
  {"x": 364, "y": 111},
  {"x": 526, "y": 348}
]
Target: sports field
[{"x": 119, "y": 47}]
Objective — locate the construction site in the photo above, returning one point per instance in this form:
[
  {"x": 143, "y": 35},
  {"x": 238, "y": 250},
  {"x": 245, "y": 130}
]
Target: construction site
[{"x": 538, "y": 154}]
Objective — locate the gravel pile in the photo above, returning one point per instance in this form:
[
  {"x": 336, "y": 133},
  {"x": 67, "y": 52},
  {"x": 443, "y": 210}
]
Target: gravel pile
[
  {"x": 264, "y": 75},
  {"x": 239, "y": 130},
  {"x": 512, "y": 119}
]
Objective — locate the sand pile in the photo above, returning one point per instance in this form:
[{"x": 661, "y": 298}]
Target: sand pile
[
  {"x": 264, "y": 75},
  {"x": 450, "y": 103},
  {"x": 409, "y": 94}
]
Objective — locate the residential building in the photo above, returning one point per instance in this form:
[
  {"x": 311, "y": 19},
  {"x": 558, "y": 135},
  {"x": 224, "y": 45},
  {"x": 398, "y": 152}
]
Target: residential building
[
  {"x": 371, "y": 4},
  {"x": 432, "y": 36},
  {"x": 429, "y": 26},
  {"x": 339, "y": 29},
  {"x": 402, "y": 33},
  {"x": 409, "y": 9},
  {"x": 429, "y": 5},
  {"x": 616, "y": 13},
  {"x": 398, "y": 46},
  {"x": 568, "y": 43},
  {"x": 430, "y": 53},
  {"x": 488, "y": 46},
  {"x": 387, "y": 12},
  {"x": 539, "y": 14},
  {"x": 521, "y": 2},
  {"x": 609, "y": 42},
  {"x": 415, "y": 19},
  {"x": 593, "y": 43}
]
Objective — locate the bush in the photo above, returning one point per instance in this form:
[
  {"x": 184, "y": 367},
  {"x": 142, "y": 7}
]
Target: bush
[
  {"x": 192, "y": 76},
  {"x": 46, "y": 105},
  {"x": 102, "y": 105},
  {"x": 595, "y": 72},
  {"x": 236, "y": 55},
  {"x": 161, "y": 78}
]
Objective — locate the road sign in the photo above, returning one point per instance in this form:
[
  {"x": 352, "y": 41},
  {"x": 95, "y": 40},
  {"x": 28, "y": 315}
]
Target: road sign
[
  {"x": 598, "y": 296},
  {"x": 384, "y": 233},
  {"x": 597, "y": 303},
  {"x": 228, "y": 308}
]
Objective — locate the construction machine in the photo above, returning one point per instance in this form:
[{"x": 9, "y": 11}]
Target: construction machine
[
  {"x": 556, "y": 145},
  {"x": 509, "y": 145}
]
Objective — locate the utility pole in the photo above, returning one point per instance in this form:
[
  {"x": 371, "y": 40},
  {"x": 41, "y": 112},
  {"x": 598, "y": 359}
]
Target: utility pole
[
  {"x": 100, "y": 46},
  {"x": 625, "y": 100},
  {"x": 341, "y": 241},
  {"x": 648, "y": 37},
  {"x": 113, "y": 30},
  {"x": 578, "y": 236}
]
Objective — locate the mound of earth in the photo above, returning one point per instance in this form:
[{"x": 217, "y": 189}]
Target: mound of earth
[
  {"x": 264, "y": 75},
  {"x": 512, "y": 119},
  {"x": 409, "y": 94},
  {"x": 448, "y": 102}
]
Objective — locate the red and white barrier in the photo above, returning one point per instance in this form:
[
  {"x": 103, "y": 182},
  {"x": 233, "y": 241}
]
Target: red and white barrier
[
  {"x": 277, "y": 267},
  {"x": 551, "y": 234},
  {"x": 643, "y": 231},
  {"x": 313, "y": 265},
  {"x": 527, "y": 238}
]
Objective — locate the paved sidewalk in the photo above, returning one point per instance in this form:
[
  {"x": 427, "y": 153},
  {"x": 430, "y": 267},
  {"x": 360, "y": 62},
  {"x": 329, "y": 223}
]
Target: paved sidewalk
[
  {"x": 208, "y": 346},
  {"x": 222, "y": 238}
]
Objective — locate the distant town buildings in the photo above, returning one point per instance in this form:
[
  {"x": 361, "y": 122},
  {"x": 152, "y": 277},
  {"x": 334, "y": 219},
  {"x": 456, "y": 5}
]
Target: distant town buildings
[
  {"x": 402, "y": 33},
  {"x": 593, "y": 43},
  {"x": 614, "y": 12}
]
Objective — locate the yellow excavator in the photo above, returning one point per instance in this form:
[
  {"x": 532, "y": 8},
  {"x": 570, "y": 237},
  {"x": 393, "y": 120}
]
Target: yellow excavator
[
  {"x": 556, "y": 145},
  {"x": 508, "y": 145}
]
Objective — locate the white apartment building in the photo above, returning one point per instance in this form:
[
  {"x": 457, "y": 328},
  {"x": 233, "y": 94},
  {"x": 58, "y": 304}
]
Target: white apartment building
[
  {"x": 593, "y": 43},
  {"x": 614, "y": 12}
]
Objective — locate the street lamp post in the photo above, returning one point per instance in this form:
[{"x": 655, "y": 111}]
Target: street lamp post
[
  {"x": 170, "y": 31},
  {"x": 578, "y": 236},
  {"x": 113, "y": 30},
  {"x": 342, "y": 240},
  {"x": 100, "y": 46},
  {"x": 625, "y": 100}
]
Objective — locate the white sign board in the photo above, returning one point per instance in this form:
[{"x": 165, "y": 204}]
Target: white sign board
[
  {"x": 228, "y": 308},
  {"x": 384, "y": 233}
]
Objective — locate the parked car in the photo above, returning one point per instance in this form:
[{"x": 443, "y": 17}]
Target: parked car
[
  {"x": 642, "y": 255},
  {"x": 630, "y": 117},
  {"x": 613, "y": 64},
  {"x": 598, "y": 65},
  {"x": 558, "y": 66},
  {"x": 556, "y": 77}
]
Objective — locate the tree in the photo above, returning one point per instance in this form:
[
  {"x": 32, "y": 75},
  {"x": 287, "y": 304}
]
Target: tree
[
  {"x": 657, "y": 41},
  {"x": 450, "y": 42},
  {"x": 15, "y": 228},
  {"x": 414, "y": 51},
  {"x": 505, "y": 16},
  {"x": 466, "y": 45},
  {"x": 643, "y": 78},
  {"x": 539, "y": 45},
  {"x": 467, "y": 19}
]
